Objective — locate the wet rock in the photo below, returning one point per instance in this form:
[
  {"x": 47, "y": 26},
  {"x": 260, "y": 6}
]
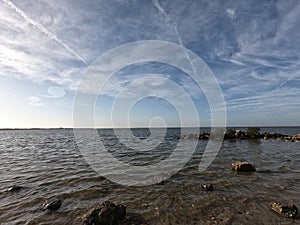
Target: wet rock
[
  {"x": 288, "y": 138},
  {"x": 207, "y": 187},
  {"x": 52, "y": 205},
  {"x": 161, "y": 182},
  {"x": 242, "y": 167},
  {"x": 238, "y": 133},
  {"x": 204, "y": 136},
  {"x": 105, "y": 213},
  {"x": 252, "y": 133},
  {"x": 230, "y": 134},
  {"x": 14, "y": 188},
  {"x": 296, "y": 138},
  {"x": 289, "y": 210}
]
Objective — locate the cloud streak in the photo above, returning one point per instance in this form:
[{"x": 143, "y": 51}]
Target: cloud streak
[
  {"x": 43, "y": 29},
  {"x": 251, "y": 46}
]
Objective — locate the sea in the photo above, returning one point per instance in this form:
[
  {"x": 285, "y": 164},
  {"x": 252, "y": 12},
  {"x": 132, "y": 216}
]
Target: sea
[{"x": 48, "y": 164}]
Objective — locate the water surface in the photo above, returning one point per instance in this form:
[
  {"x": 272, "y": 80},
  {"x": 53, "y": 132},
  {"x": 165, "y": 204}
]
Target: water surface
[{"x": 49, "y": 165}]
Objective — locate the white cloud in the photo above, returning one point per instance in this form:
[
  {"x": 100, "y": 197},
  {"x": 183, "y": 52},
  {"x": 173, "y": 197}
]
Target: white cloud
[
  {"x": 231, "y": 12},
  {"x": 56, "y": 91},
  {"x": 252, "y": 46},
  {"x": 42, "y": 28},
  {"x": 34, "y": 100}
]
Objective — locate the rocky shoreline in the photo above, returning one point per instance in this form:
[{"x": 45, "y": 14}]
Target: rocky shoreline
[
  {"x": 109, "y": 213},
  {"x": 248, "y": 134}
]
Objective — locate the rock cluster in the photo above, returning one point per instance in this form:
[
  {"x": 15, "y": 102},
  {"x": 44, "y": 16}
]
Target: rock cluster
[
  {"x": 107, "y": 213},
  {"x": 200, "y": 136},
  {"x": 296, "y": 138},
  {"x": 289, "y": 210},
  {"x": 250, "y": 133}
]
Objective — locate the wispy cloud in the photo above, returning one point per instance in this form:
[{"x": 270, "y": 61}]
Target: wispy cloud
[
  {"x": 251, "y": 46},
  {"x": 34, "y": 100},
  {"x": 42, "y": 29}
]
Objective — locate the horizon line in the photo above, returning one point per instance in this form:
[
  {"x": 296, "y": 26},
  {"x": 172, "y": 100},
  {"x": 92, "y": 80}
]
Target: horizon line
[{"x": 68, "y": 128}]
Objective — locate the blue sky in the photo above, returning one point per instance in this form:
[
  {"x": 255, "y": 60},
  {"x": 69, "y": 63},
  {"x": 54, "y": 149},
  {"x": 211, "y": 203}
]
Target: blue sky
[{"x": 47, "y": 46}]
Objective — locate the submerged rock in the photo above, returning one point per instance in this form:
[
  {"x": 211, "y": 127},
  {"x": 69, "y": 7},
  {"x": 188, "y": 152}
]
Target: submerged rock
[
  {"x": 105, "y": 213},
  {"x": 242, "y": 167},
  {"x": 134, "y": 219},
  {"x": 14, "y": 188},
  {"x": 207, "y": 187},
  {"x": 289, "y": 211},
  {"x": 53, "y": 205}
]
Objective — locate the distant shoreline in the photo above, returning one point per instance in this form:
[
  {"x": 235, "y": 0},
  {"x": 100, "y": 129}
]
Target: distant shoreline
[{"x": 98, "y": 128}]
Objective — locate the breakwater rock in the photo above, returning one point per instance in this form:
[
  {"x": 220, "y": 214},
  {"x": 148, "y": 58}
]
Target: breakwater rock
[{"x": 250, "y": 133}]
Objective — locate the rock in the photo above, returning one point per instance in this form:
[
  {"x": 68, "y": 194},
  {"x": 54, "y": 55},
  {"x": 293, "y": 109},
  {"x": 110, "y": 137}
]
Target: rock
[
  {"x": 288, "y": 138},
  {"x": 242, "y": 167},
  {"x": 207, "y": 187},
  {"x": 238, "y": 133},
  {"x": 289, "y": 211},
  {"x": 230, "y": 134},
  {"x": 53, "y": 205},
  {"x": 296, "y": 138},
  {"x": 203, "y": 136},
  {"x": 105, "y": 213},
  {"x": 14, "y": 188}
]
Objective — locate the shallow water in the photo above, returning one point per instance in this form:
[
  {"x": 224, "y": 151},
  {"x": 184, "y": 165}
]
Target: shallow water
[{"x": 49, "y": 165}]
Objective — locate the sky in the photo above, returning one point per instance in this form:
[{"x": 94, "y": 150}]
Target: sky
[{"x": 47, "y": 47}]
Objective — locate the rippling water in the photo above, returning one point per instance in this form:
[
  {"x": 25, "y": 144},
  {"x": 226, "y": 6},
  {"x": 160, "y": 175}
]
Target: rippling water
[{"x": 49, "y": 165}]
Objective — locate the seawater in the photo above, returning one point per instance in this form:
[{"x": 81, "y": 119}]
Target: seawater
[{"x": 49, "y": 165}]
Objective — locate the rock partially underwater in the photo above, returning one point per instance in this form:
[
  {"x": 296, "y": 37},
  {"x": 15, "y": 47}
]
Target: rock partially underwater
[
  {"x": 207, "y": 187},
  {"x": 52, "y": 205},
  {"x": 289, "y": 210},
  {"x": 242, "y": 167},
  {"x": 106, "y": 213},
  {"x": 14, "y": 188}
]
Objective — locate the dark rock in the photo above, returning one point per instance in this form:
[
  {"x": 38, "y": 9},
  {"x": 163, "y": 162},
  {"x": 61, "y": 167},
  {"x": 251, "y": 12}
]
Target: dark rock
[
  {"x": 281, "y": 139},
  {"x": 204, "y": 136},
  {"x": 105, "y": 213},
  {"x": 288, "y": 138},
  {"x": 252, "y": 133},
  {"x": 161, "y": 182},
  {"x": 296, "y": 138},
  {"x": 289, "y": 211},
  {"x": 242, "y": 167},
  {"x": 207, "y": 187},
  {"x": 238, "y": 133},
  {"x": 53, "y": 205},
  {"x": 230, "y": 134},
  {"x": 14, "y": 188}
]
